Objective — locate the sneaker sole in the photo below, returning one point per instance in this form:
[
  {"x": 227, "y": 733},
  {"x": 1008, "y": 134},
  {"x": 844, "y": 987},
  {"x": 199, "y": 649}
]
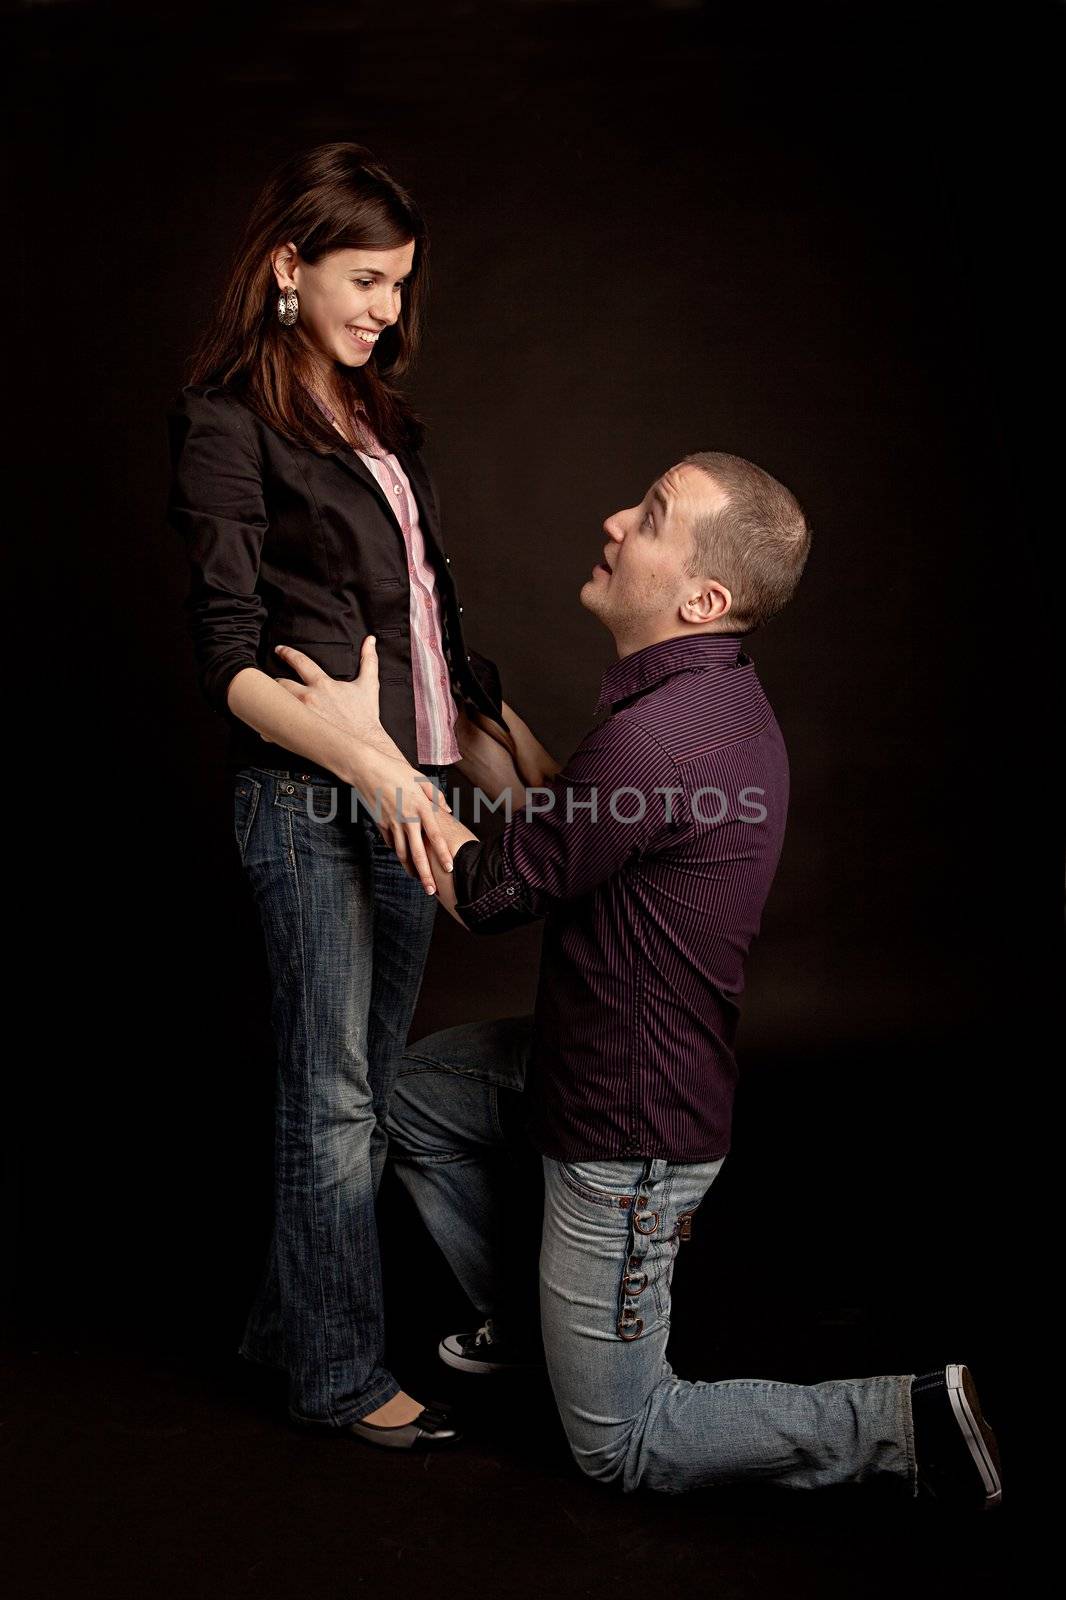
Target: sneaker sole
[{"x": 975, "y": 1430}]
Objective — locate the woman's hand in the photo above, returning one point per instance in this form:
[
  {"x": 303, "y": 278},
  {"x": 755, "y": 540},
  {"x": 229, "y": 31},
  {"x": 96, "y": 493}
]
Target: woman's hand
[
  {"x": 353, "y": 706},
  {"x": 407, "y": 809}
]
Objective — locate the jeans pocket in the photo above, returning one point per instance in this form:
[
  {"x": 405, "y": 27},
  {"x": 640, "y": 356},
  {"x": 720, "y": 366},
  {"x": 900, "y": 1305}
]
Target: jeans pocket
[
  {"x": 246, "y": 792},
  {"x": 605, "y": 1183},
  {"x": 323, "y": 819}
]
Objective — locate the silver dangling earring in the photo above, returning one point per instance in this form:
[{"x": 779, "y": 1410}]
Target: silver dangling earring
[{"x": 288, "y": 307}]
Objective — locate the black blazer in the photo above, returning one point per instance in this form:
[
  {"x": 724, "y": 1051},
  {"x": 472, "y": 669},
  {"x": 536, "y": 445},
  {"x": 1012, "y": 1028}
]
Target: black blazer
[{"x": 286, "y": 546}]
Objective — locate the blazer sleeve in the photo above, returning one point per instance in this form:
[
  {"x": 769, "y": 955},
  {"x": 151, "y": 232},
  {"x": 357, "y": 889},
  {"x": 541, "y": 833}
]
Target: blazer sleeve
[{"x": 216, "y": 506}]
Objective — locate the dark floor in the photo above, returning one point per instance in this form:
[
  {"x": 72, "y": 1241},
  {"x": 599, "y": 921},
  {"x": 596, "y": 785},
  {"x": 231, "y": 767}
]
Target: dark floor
[
  {"x": 140, "y": 1477},
  {"x": 149, "y": 1460}
]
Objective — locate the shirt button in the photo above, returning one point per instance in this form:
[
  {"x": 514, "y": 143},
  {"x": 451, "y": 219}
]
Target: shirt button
[
  {"x": 510, "y": 891},
  {"x": 396, "y": 488},
  {"x": 447, "y": 561},
  {"x": 460, "y": 610}
]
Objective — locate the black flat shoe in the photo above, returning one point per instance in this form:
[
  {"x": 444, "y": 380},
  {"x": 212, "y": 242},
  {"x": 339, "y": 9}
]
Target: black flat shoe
[{"x": 433, "y": 1426}]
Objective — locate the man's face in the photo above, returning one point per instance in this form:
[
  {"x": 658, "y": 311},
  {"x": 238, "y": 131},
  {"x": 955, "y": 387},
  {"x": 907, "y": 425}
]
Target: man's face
[{"x": 640, "y": 589}]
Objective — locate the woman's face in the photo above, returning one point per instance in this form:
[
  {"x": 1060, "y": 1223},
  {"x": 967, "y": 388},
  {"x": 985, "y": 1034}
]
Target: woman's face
[{"x": 347, "y": 298}]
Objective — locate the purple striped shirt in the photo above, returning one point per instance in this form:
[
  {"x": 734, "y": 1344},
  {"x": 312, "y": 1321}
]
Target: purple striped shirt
[
  {"x": 651, "y": 868},
  {"x": 435, "y": 708}
]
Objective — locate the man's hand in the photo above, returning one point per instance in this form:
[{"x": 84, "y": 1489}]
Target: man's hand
[
  {"x": 535, "y": 766},
  {"x": 486, "y": 762},
  {"x": 402, "y": 800},
  {"x": 492, "y": 766}
]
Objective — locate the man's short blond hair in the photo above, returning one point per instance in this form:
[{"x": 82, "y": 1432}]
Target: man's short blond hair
[{"x": 756, "y": 544}]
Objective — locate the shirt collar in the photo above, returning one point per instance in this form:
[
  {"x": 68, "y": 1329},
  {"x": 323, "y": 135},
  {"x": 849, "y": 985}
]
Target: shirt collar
[
  {"x": 327, "y": 411},
  {"x": 633, "y": 674}
]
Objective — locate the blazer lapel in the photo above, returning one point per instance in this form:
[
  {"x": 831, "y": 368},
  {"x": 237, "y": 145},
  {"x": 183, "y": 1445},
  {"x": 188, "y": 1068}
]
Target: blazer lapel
[
  {"x": 417, "y": 477},
  {"x": 349, "y": 458}
]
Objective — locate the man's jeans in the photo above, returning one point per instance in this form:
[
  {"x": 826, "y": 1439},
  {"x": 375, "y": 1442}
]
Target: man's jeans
[
  {"x": 346, "y": 933},
  {"x": 610, "y": 1232}
]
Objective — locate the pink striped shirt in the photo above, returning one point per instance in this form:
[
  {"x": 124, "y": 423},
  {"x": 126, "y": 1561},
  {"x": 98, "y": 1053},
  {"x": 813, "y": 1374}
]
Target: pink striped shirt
[{"x": 435, "y": 709}]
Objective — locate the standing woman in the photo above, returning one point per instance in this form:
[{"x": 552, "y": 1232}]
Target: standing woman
[{"x": 310, "y": 520}]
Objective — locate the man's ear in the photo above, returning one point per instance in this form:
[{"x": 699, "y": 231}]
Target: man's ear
[
  {"x": 706, "y": 602},
  {"x": 698, "y": 606}
]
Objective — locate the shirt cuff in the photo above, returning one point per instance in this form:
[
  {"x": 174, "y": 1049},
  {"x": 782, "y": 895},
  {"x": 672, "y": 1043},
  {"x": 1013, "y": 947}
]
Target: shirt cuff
[{"x": 488, "y": 896}]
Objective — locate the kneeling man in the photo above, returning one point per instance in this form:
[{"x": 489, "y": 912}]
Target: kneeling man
[{"x": 650, "y": 855}]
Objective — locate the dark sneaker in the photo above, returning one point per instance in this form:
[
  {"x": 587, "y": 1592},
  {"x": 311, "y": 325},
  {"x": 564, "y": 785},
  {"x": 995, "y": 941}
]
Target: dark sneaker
[
  {"x": 955, "y": 1449},
  {"x": 483, "y": 1352}
]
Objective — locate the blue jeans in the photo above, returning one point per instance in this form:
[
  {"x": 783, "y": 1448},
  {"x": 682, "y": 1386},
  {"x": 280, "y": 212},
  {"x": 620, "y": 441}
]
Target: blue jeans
[
  {"x": 346, "y": 934},
  {"x": 609, "y": 1236}
]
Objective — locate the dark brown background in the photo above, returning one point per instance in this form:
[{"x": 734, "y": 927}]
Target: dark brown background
[{"x": 814, "y": 235}]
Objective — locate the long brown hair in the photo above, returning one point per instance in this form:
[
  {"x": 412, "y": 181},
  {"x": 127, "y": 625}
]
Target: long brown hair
[{"x": 332, "y": 197}]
